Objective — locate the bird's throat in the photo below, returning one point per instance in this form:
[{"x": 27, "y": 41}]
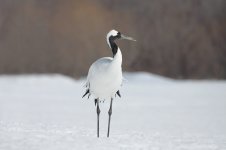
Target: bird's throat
[
  {"x": 114, "y": 47},
  {"x": 117, "y": 55}
]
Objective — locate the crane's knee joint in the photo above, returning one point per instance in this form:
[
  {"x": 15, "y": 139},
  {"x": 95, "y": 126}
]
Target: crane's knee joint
[
  {"x": 98, "y": 110},
  {"x": 110, "y": 112}
]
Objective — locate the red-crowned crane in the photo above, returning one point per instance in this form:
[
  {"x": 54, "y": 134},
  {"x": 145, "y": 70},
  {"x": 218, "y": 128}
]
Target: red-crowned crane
[{"x": 105, "y": 76}]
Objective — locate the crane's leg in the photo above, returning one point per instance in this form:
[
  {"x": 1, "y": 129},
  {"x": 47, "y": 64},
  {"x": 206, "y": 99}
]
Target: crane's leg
[
  {"x": 109, "y": 120},
  {"x": 98, "y": 114}
]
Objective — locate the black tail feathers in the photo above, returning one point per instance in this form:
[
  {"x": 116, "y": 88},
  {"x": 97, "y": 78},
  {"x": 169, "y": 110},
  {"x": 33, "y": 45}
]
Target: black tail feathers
[
  {"x": 118, "y": 93},
  {"x": 87, "y": 92}
]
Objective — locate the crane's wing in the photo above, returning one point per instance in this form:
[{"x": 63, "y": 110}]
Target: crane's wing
[{"x": 97, "y": 66}]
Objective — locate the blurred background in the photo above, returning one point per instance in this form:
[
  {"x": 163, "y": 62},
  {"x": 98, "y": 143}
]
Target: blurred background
[{"x": 178, "y": 39}]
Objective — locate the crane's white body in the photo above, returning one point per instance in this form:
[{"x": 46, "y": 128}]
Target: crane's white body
[{"x": 105, "y": 76}]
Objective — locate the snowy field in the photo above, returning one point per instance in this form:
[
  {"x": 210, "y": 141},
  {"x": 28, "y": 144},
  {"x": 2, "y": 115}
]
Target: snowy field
[{"x": 46, "y": 112}]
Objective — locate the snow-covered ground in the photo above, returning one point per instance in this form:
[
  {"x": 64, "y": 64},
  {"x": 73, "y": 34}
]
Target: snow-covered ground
[{"x": 46, "y": 112}]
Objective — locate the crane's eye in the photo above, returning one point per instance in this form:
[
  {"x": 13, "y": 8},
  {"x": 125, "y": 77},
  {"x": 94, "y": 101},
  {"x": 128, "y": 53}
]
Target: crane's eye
[{"x": 119, "y": 35}]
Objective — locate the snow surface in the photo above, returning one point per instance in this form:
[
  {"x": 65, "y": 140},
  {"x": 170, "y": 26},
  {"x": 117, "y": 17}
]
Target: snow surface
[{"x": 47, "y": 112}]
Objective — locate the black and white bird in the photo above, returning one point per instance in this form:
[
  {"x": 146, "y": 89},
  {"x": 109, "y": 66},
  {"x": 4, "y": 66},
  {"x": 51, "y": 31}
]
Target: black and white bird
[{"x": 105, "y": 76}]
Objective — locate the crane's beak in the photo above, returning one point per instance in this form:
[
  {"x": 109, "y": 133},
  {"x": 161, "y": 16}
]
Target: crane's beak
[{"x": 127, "y": 38}]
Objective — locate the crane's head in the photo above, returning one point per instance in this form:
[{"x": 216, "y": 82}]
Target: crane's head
[{"x": 114, "y": 35}]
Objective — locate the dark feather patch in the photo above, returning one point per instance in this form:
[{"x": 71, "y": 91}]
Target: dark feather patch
[
  {"x": 87, "y": 91},
  {"x": 95, "y": 101},
  {"x": 118, "y": 93}
]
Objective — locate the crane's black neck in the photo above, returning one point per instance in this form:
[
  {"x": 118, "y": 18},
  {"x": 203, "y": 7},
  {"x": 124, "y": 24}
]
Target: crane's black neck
[{"x": 113, "y": 45}]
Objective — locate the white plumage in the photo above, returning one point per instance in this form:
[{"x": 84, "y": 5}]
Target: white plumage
[{"x": 105, "y": 75}]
